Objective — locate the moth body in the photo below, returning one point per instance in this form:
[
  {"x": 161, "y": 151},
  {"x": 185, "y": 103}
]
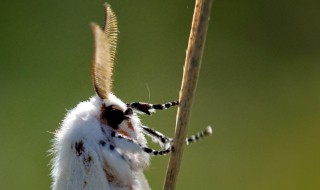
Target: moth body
[{"x": 101, "y": 144}]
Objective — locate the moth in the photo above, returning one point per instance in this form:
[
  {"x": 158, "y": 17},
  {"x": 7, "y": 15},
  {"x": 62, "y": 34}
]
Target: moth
[{"x": 101, "y": 144}]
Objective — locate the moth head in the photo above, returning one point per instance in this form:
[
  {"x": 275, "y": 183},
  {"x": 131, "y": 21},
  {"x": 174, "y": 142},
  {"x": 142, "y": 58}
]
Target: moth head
[
  {"x": 105, "y": 44},
  {"x": 113, "y": 115}
]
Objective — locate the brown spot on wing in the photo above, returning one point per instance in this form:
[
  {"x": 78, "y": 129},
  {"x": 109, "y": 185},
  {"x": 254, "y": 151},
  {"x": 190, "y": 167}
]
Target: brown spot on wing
[
  {"x": 110, "y": 177},
  {"x": 84, "y": 183},
  {"x": 79, "y": 148}
]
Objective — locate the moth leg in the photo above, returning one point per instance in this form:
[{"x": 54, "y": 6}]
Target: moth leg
[
  {"x": 200, "y": 135},
  {"x": 168, "y": 146},
  {"x": 148, "y": 108},
  {"x": 167, "y": 140},
  {"x": 131, "y": 145},
  {"x": 157, "y": 152},
  {"x": 157, "y": 136}
]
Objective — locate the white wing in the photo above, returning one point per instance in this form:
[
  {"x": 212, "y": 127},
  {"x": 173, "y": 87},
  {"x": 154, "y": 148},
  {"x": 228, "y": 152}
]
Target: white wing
[
  {"x": 143, "y": 183},
  {"x": 78, "y": 163}
]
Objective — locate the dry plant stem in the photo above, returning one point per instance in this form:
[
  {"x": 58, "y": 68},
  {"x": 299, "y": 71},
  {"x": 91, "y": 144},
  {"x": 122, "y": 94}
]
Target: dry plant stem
[{"x": 190, "y": 77}]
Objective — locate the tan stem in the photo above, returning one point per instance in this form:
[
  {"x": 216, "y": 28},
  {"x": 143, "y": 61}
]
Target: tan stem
[{"x": 189, "y": 82}]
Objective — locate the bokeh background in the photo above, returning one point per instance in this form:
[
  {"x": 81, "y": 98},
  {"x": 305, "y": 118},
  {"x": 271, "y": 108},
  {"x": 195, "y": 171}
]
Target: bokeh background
[{"x": 259, "y": 86}]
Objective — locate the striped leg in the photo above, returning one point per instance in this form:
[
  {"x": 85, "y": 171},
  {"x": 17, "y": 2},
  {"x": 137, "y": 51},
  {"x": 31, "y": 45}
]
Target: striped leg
[
  {"x": 156, "y": 135},
  {"x": 194, "y": 138},
  {"x": 149, "y": 108},
  {"x": 158, "y": 152},
  {"x": 128, "y": 144},
  {"x": 131, "y": 145},
  {"x": 167, "y": 140}
]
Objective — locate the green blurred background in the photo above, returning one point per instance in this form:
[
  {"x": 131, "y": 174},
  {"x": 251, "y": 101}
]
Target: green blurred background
[{"x": 259, "y": 86}]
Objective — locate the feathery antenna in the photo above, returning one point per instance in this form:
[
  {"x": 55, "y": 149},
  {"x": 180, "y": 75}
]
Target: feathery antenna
[{"x": 105, "y": 43}]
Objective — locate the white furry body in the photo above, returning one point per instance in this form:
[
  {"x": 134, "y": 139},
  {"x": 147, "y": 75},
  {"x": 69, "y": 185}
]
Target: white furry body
[{"x": 82, "y": 162}]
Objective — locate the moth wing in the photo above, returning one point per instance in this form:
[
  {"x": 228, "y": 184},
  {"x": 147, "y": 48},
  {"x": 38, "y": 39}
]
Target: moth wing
[
  {"x": 82, "y": 170},
  {"x": 105, "y": 42},
  {"x": 143, "y": 183},
  {"x": 115, "y": 164}
]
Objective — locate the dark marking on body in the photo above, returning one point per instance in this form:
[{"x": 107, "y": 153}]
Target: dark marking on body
[
  {"x": 79, "y": 148},
  {"x": 87, "y": 159},
  {"x": 109, "y": 174},
  {"x": 84, "y": 183},
  {"x": 103, "y": 143}
]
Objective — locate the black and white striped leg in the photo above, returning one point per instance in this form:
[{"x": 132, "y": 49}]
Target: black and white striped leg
[
  {"x": 149, "y": 108},
  {"x": 194, "y": 138},
  {"x": 131, "y": 145},
  {"x": 158, "y": 152},
  {"x": 156, "y": 135},
  {"x": 167, "y": 140},
  {"x": 127, "y": 144},
  {"x": 200, "y": 135}
]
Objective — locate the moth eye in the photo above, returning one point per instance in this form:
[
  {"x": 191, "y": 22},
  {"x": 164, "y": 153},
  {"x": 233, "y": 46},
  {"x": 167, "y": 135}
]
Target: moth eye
[{"x": 113, "y": 116}]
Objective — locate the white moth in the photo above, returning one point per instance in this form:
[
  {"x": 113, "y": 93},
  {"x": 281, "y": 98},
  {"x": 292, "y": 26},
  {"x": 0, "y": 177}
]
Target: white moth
[{"x": 101, "y": 144}]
